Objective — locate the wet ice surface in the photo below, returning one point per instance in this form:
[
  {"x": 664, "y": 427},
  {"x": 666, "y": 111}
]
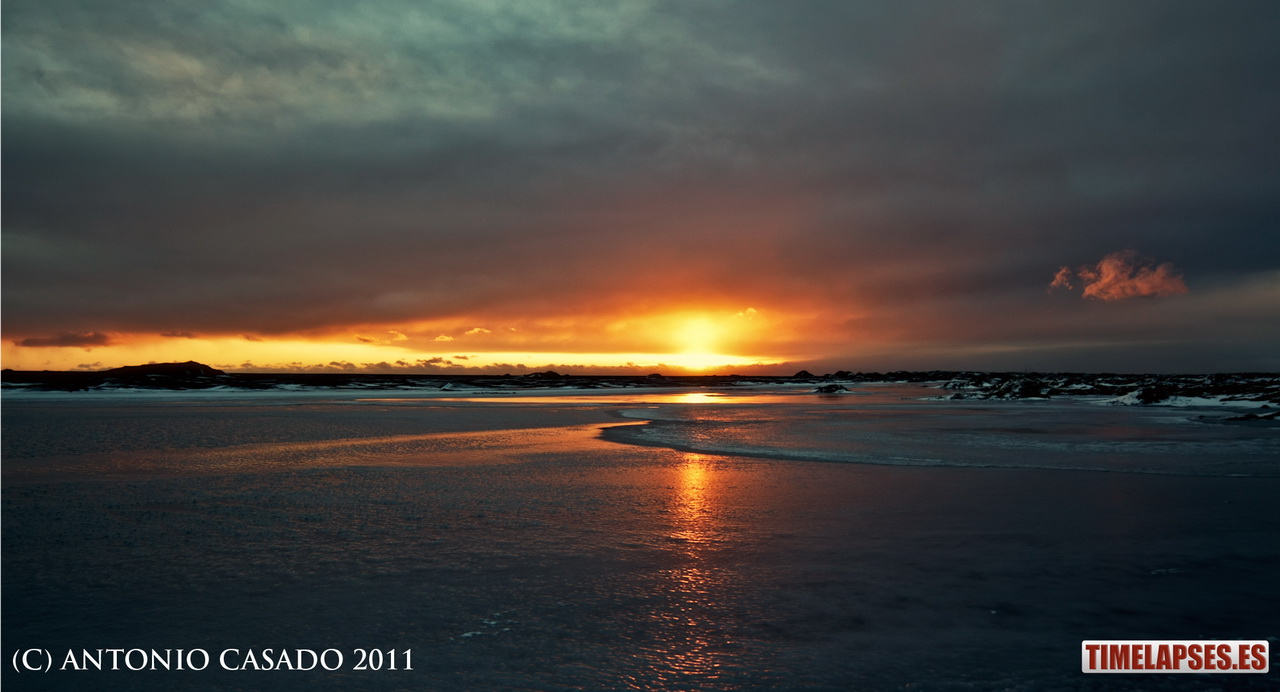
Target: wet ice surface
[
  {"x": 510, "y": 548},
  {"x": 888, "y": 428}
]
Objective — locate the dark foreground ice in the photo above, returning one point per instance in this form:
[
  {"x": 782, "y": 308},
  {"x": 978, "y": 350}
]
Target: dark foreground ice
[{"x": 761, "y": 540}]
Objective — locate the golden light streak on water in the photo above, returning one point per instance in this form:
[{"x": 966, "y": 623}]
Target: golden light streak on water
[{"x": 692, "y": 645}]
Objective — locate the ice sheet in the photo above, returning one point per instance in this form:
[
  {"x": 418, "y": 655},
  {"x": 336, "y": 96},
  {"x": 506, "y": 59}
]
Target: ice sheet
[{"x": 545, "y": 557}]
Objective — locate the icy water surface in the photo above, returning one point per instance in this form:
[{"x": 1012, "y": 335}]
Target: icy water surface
[
  {"x": 695, "y": 540},
  {"x": 890, "y": 426}
]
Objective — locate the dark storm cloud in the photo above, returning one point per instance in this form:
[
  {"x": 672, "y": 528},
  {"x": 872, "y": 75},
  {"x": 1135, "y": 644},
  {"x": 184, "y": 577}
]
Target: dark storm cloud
[{"x": 299, "y": 165}]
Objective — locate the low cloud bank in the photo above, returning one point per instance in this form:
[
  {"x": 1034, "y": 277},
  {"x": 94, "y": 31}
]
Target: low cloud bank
[{"x": 67, "y": 339}]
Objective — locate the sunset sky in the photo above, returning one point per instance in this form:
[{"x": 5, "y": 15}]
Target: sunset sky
[{"x": 632, "y": 186}]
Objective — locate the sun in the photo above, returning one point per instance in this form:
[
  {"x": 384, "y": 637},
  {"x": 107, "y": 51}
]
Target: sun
[
  {"x": 696, "y": 340},
  {"x": 697, "y": 335}
]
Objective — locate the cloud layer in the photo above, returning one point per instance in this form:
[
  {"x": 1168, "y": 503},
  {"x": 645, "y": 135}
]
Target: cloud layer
[{"x": 885, "y": 183}]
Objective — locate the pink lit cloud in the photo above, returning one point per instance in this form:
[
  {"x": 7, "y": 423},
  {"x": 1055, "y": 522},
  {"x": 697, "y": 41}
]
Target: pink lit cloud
[{"x": 1122, "y": 275}]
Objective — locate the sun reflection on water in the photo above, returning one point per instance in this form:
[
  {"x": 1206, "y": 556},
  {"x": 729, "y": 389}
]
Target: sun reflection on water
[
  {"x": 694, "y": 514},
  {"x": 697, "y": 398},
  {"x": 692, "y": 642}
]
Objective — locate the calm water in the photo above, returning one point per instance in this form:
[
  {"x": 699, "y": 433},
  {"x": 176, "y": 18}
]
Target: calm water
[{"x": 769, "y": 539}]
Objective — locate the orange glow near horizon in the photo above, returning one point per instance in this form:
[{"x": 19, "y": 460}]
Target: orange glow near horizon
[{"x": 690, "y": 341}]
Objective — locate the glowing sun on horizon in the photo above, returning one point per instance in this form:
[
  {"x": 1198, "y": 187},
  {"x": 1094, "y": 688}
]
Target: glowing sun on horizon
[{"x": 697, "y": 339}]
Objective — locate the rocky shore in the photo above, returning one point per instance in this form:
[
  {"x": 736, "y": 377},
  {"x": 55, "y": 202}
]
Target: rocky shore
[
  {"x": 1257, "y": 389},
  {"x": 1242, "y": 388}
]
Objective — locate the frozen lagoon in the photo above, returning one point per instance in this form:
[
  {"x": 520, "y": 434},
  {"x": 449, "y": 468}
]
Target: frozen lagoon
[{"x": 767, "y": 539}]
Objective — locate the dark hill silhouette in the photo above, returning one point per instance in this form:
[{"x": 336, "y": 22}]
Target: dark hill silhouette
[{"x": 187, "y": 369}]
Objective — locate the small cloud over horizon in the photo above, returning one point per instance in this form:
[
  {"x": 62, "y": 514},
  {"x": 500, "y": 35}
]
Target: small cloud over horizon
[
  {"x": 1121, "y": 275},
  {"x": 394, "y": 336}
]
